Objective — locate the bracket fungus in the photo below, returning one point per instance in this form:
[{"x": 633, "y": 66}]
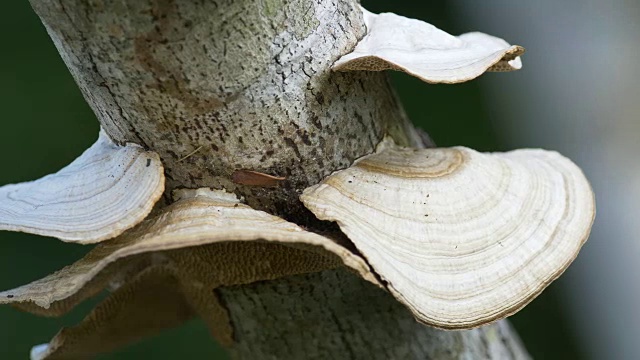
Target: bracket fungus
[
  {"x": 105, "y": 191},
  {"x": 459, "y": 237},
  {"x": 426, "y": 52},
  {"x": 462, "y": 238},
  {"x": 205, "y": 240}
]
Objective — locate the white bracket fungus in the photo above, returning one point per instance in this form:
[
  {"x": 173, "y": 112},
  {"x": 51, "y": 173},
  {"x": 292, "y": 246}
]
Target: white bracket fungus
[
  {"x": 426, "y": 52},
  {"x": 199, "y": 217},
  {"x": 105, "y": 191},
  {"x": 171, "y": 262},
  {"x": 462, "y": 238}
]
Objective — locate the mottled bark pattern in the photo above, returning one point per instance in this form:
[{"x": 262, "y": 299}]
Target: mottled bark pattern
[
  {"x": 347, "y": 318},
  {"x": 219, "y": 86}
]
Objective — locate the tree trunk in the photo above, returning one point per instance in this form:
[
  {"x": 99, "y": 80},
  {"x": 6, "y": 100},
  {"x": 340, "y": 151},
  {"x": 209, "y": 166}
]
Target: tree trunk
[
  {"x": 336, "y": 315},
  {"x": 219, "y": 86},
  {"x": 215, "y": 87}
]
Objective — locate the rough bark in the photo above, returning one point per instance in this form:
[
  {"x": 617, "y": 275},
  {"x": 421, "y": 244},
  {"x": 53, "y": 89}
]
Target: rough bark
[
  {"x": 336, "y": 315},
  {"x": 219, "y": 86}
]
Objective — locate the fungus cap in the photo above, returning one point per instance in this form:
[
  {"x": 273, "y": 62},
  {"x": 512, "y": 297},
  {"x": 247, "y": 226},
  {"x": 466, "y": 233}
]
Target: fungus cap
[
  {"x": 198, "y": 218},
  {"x": 102, "y": 193},
  {"x": 460, "y": 237},
  {"x": 426, "y": 52}
]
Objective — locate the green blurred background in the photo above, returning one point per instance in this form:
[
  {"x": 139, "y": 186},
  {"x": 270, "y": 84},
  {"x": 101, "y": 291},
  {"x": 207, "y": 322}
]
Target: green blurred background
[{"x": 46, "y": 124}]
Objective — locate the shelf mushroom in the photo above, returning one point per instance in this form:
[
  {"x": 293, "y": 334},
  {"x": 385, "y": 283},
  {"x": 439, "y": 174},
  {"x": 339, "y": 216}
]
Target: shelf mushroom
[
  {"x": 105, "y": 191},
  {"x": 426, "y": 52},
  {"x": 460, "y": 237},
  {"x": 171, "y": 263}
]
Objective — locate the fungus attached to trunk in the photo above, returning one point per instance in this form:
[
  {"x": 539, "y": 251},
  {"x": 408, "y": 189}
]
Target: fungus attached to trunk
[
  {"x": 105, "y": 191},
  {"x": 250, "y": 105},
  {"x": 426, "y": 52},
  {"x": 462, "y": 238},
  {"x": 203, "y": 241}
]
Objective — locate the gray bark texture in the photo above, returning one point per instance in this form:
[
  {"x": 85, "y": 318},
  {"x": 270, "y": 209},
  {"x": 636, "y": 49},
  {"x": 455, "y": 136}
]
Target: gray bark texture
[
  {"x": 335, "y": 315},
  {"x": 219, "y": 86}
]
